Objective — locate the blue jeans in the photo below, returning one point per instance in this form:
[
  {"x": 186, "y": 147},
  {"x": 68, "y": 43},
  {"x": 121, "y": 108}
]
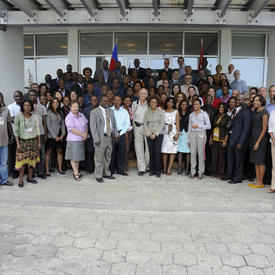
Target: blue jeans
[{"x": 4, "y": 152}]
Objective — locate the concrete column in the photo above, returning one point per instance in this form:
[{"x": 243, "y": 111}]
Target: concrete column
[
  {"x": 11, "y": 62},
  {"x": 271, "y": 59},
  {"x": 73, "y": 49},
  {"x": 225, "y": 48}
]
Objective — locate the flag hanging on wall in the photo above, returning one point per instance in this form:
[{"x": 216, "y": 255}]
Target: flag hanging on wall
[
  {"x": 114, "y": 59},
  {"x": 201, "y": 55}
]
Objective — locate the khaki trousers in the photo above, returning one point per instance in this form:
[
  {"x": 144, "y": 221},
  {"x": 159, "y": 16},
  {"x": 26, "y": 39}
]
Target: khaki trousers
[
  {"x": 197, "y": 147},
  {"x": 103, "y": 158},
  {"x": 141, "y": 148}
]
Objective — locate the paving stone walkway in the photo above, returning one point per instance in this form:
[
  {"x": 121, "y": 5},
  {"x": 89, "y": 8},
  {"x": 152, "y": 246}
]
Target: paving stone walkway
[{"x": 136, "y": 225}]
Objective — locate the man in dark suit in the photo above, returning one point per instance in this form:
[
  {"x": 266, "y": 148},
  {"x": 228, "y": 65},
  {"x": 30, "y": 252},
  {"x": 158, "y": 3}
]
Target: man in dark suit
[
  {"x": 140, "y": 70},
  {"x": 78, "y": 84},
  {"x": 240, "y": 126},
  {"x": 166, "y": 69},
  {"x": 104, "y": 131},
  {"x": 59, "y": 75}
]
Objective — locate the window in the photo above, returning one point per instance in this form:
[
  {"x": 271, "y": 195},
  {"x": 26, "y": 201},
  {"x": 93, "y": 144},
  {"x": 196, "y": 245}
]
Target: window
[
  {"x": 130, "y": 62},
  {"x": 50, "y": 66},
  {"x": 29, "y": 70},
  {"x": 131, "y": 43},
  {"x": 192, "y": 43},
  {"x": 165, "y": 43},
  {"x": 94, "y": 62},
  {"x": 28, "y": 45},
  {"x": 194, "y": 61},
  {"x": 95, "y": 43},
  {"x": 249, "y": 56},
  {"x": 248, "y": 44},
  {"x": 51, "y": 44},
  {"x": 249, "y": 73}
]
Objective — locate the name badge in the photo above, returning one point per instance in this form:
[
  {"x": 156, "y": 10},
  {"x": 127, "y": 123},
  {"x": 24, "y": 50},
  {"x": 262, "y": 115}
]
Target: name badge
[{"x": 29, "y": 130}]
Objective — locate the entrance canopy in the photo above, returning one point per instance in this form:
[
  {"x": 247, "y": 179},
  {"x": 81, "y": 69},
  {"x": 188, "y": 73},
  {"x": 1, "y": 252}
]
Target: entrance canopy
[{"x": 104, "y": 12}]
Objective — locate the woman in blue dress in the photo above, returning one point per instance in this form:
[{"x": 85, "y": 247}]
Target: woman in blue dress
[{"x": 183, "y": 148}]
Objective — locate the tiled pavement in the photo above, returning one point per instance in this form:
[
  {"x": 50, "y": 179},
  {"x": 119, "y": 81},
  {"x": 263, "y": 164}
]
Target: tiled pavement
[{"x": 136, "y": 225}]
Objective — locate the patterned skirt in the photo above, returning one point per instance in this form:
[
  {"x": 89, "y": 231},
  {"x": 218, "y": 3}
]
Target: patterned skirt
[{"x": 29, "y": 155}]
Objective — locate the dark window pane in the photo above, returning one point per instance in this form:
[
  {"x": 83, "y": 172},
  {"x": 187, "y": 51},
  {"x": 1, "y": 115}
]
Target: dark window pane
[
  {"x": 131, "y": 43},
  {"x": 51, "y": 44},
  {"x": 28, "y": 45},
  {"x": 192, "y": 43},
  {"x": 166, "y": 43},
  {"x": 248, "y": 44},
  {"x": 95, "y": 43}
]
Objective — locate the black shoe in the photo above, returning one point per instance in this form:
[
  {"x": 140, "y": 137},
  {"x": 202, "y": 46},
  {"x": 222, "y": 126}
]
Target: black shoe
[
  {"x": 141, "y": 173},
  {"x": 225, "y": 178},
  {"x": 158, "y": 175},
  {"x": 62, "y": 172},
  {"x": 100, "y": 180},
  {"x": 51, "y": 170},
  {"x": 234, "y": 181},
  {"x": 8, "y": 183},
  {"x": 152, "y": 174},
  {"x": 21, "y": 185},
  {"x": 32, "y": 181},
  {"x": 109, "y": 177},
  {"x": 42, "y": 176},
  {"x": 122, "y": 173},
  {"x": 180, "y": 172}
]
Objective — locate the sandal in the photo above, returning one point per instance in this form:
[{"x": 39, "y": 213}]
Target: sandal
[
  {"x": 191, "y": 176},
  {"x": 76, "y": 177},
  {"x": 271, "y": 191}
]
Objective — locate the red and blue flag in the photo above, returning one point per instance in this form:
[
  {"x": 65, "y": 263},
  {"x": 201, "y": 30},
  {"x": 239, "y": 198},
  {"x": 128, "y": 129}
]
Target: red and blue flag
[{"x": 114, "y": 59}]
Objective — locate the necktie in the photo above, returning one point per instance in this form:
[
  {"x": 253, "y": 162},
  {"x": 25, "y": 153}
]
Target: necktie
[{"x": 108, "y": 124}]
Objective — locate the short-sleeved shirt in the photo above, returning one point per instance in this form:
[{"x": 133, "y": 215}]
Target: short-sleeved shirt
[
  {"x": 40, "y": 111},
  {"x": 5, "y": 117},
  {"x": 78, "y": 122},
  {"x": 14, "y": 109}
]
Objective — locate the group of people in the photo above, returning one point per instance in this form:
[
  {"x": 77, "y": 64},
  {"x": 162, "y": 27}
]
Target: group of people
[{"x": 210, "y": 124}]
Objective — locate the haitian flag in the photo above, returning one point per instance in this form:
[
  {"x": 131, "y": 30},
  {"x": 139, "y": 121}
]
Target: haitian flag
[{"x": 114, "y": 59}]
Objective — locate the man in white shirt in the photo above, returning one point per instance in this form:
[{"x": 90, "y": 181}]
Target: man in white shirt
[
  {"x": 14, "y": 109},
  {"x": 123, "y": 123},
  {"x": 230, "y": 74}
]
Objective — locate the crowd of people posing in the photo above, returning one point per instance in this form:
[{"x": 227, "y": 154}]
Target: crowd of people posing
[{"x": 211, "y": 124}]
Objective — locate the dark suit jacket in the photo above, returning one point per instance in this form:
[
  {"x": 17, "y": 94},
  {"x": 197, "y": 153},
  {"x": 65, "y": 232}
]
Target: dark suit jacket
[
  {"x": 141, "y": 72},
  {"x": 169, "y": 73},
  {"x": 241, "y": 127},
  {"x": 78, "y": 89},
  {"x": 54, "y": 86}
]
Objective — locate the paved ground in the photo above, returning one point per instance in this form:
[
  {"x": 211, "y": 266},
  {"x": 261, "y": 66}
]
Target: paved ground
[{"x": 134, "y": 225}]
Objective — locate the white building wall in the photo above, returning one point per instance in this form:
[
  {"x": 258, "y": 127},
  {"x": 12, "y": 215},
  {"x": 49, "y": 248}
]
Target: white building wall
[
  {"x": 271, "y": 59},
  {"x": 11, "y": 62}
]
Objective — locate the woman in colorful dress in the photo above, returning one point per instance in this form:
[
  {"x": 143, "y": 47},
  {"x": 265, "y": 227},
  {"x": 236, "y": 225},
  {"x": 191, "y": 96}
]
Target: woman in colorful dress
[{"x": 27, "y": 135}]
